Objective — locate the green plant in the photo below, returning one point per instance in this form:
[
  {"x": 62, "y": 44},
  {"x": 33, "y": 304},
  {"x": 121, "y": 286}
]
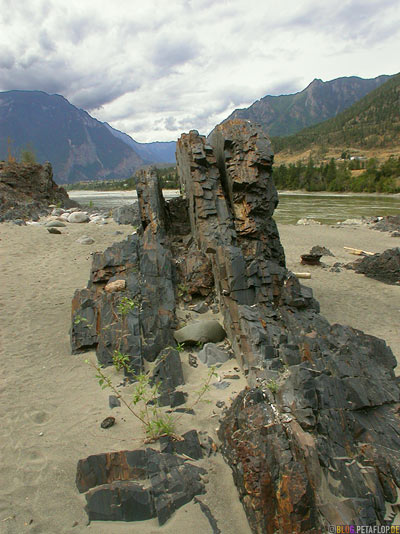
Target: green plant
[
  {"x": 28, "y": 156},
  {"x": 78, "y": 319},
  {"x": 182, "y": 290},
  {"x": 125, "y": 305},
  {"x": 144, "y": 400},
  {"x": 272, "y": 385},
  {"x": 180, "y": 347}
]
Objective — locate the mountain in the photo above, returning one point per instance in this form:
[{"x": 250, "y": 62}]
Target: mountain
[
  {"x": 156, "y": 152},
  {"x": 287, "y": 114},
  {"x": 79, "y": 147},
  {"x": 371, "y": 123}
]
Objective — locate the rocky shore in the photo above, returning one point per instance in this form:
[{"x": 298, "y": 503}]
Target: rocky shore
[{"x": 303, "y": 411}]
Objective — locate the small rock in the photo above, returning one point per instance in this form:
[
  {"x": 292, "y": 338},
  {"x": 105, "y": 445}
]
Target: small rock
[
  {"x": 306, "y": 221},
  {"x": 108, "y": 422},
  {"x": 220, "y": 404},
  {"x": 116, "y": 285},
  {"x": 200, "y": 308},
  {"x": 53, "y": 231},
  {"x": 85, "y": 240},
  {"x": 113, "y": 401},
  {"x": 193, "y": 361},
  {"x": 55, "y": 224},
  {"x": 319, "y": 250},
  {"x": 210, "y": 354},
  {"x": 57, "y": 212},
  {"x": 221, "y": 385},
  {"x": 232, "y": 377},
  {"x": 78, "y": 217}
]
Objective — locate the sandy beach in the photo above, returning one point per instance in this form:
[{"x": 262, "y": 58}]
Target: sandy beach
[{"x": 52, "y": 406}]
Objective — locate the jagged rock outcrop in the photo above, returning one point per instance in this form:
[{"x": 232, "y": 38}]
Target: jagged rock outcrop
[
  {"x": 319, "y": 442},
  {"x": 315, "y": 438},
  {"x": 137, "y": 321},
  {"x": 26, "y": 190}
]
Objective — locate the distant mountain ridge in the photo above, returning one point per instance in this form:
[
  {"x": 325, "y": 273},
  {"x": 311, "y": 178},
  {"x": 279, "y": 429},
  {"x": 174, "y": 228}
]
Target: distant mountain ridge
[
  {"x": 372, "y": 122},
  {"x": 155, "y": 152},
  {"x": 287, "y": 114},
  {"x": 79, "y": 147}
]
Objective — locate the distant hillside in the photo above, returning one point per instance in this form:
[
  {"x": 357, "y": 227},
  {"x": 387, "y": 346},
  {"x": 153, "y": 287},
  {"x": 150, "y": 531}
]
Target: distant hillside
[
  {"x": 156, "y": 152},
  {"x": 371, "y": 123},
  {"x": 287, "y": 114},
  {"x": 79, "y": 147}
]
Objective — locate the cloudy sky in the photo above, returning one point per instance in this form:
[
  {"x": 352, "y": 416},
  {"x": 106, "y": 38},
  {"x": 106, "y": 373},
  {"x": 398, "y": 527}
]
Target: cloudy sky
[{"x": 156, "y": 68}]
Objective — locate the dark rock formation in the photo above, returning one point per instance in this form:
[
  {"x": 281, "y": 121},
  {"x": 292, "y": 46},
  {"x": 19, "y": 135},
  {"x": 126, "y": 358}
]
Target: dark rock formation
[
  {"x": 384, "y": 267},
  {"x": 389, "y": 223},
  {"x": 315, "y": 438},
  {"x": 143, "y": 327},
  {"x": 137, "y": 485},
  {"x": 26, "y": 190},
  {"x": 127, "y": 214},
  {"x": 319, "y": 442}
]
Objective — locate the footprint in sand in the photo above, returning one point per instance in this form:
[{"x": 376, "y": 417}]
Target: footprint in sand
[{"x": 39, "y": 417}]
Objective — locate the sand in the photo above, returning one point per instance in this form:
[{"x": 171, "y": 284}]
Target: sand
[{"x": 51, "y": 405}]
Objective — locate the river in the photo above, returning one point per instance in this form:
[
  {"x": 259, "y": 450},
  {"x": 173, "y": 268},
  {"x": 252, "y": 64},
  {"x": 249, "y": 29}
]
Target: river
[{"x": 327, "y": 208}]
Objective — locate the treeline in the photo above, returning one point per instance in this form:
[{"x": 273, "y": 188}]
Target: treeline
[
  {"x": 168, "y": 177},
  {"x": 337, "y": 176}
]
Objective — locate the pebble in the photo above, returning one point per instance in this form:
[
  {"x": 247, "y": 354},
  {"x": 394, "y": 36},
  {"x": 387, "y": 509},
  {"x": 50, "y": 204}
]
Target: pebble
[
  {"x": 53, "y": 231},
  {"x": 85, "y": 240}
]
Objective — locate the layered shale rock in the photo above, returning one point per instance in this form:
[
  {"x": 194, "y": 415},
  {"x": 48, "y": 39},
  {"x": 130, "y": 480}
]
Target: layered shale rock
[
  {"x": 384, "y": 267},
  {"x": 315, "y": 438},
  {"x": 138, "y": 320},
  {"x": 137, "y": 485},
  {"x": 26, "y": 190}
]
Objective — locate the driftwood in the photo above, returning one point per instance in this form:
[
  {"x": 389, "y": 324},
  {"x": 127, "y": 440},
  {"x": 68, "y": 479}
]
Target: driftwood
[
  {"x": 303, "y": 275},
  {"x": 359, "y": 252}
]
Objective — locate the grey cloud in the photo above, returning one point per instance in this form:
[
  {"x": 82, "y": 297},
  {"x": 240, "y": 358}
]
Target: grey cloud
[
  {"x": 96, "y": 94},
  {"x": 45, "y": 42},
  {"x": 169, "y": 51},
  {"x": 7, "y": 59}
]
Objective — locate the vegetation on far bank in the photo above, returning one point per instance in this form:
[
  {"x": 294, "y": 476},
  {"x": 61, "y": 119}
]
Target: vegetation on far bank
[
  {"x": 167, "y": 175},
  {"x": 372, "y": 122},
  {"x": 344, "y": 175}
]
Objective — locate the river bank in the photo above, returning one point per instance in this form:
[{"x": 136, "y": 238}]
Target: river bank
[
  {"x": 52, "y": 406},
  {"x": 327, "y": 208}
]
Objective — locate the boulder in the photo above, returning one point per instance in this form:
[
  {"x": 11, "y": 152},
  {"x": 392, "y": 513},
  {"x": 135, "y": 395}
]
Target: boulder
[
  {"x": 78, "y": 217},
  {"x": 200, "y": 332},
  {"x": 384, "y": 267}
]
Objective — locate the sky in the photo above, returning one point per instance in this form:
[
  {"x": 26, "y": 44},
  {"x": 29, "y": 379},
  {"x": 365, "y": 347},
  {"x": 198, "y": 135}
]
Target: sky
[{"x": 157, "y": 68}]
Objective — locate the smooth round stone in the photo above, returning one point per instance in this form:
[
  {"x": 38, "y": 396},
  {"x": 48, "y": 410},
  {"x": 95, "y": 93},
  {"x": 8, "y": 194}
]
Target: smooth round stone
[
  {"x": 78, "y": 217},
  {"x": 85, "y": 240},
  {"x": 200, "y": 332},
  {"x": 53, "y": 230},
  {"x": 55, "y": 224}
]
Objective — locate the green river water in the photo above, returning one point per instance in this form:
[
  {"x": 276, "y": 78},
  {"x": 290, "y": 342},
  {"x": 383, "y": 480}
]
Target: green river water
[{"x": 327, "y": 208}]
